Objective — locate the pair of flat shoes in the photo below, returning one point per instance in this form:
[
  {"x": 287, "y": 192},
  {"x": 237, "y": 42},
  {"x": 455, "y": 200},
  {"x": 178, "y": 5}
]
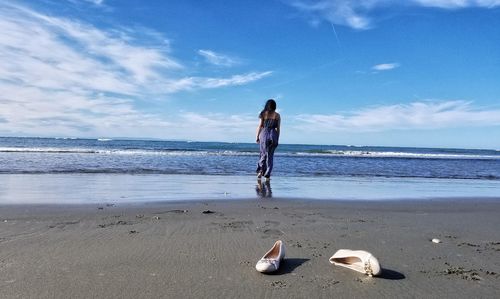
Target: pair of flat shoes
[{"x": 357, "y": 260}]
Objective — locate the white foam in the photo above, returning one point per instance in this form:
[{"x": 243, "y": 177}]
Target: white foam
[
  {"x": 177, "y": 153},
  {"x": 329, "y": 153},
  {"x": 398, "y": 155},
  {"x": 45, "y": 150}
]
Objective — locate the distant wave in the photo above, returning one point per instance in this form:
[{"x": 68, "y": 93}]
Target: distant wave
[
  {"x": 381, "y": 154},
  {"x": 46, "y": 150},
  {"x": 165, "y": 152},
  {"x": 196, "y": 152}
]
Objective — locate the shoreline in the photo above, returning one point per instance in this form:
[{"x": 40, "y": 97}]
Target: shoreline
[
  {"x": 173, "y": 249},
  {"x": 403, "y": 201}
]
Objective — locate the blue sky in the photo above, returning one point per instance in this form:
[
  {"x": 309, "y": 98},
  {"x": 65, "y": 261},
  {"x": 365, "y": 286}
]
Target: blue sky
[{"x": 371, "y": 72}]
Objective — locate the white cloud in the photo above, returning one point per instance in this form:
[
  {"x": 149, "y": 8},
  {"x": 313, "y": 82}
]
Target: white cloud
[
  {"x": 217, "y": 126},
  {"x": 65, "y": 77},
  {"x": 385, "y": 66},
  {"x": 70, "y": 113},
  {"x": 416, "y": 115},
  {"x": 55, "y": 53},
  {"x": 357, "y": 13},
  {"x": 452, "y": 4},
  {"x": 217, "y": 58},
  {"x": 190, "y": 83},
  {"x": 93, "y": 2},
  {"x": 234, "y": 80},
  {"x": 96, "y": 2},
  {"x": 341, "y": 12}
]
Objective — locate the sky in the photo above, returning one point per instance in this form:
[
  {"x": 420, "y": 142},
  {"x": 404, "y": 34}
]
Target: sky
[{"x": 417, "y": 73}]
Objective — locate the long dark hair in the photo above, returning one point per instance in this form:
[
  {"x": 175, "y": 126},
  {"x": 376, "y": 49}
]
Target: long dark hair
[{"x": 269, "y": 107}]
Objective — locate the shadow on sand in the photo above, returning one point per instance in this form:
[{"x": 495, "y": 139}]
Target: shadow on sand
[
  {"x": 288, "y": 265},
  {"x": 391, "y": 275}
]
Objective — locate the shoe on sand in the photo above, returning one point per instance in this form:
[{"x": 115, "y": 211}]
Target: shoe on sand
[
  {"x": 357, "y": 260},
  {"x": 270, "y": 262}
]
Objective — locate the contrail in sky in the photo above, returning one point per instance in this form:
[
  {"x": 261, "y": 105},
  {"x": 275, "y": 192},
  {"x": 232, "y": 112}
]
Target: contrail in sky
[{"x": 336, "y": 36}]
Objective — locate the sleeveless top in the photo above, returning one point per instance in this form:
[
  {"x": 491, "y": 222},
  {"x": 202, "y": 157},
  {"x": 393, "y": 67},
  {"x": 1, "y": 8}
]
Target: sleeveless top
[
  {"x": 269, "y": 132},
  {"x": 271, "y": 123}
]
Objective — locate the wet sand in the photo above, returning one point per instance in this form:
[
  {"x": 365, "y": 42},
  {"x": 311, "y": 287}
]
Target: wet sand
[
  {"x": 129, "y": 188},
  {"x": 175, "y": 250}
]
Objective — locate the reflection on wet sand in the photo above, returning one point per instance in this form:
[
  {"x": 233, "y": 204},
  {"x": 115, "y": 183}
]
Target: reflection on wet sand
[
  {"x": 128, "y": 188},
  {"x": 263, "y": 189}
]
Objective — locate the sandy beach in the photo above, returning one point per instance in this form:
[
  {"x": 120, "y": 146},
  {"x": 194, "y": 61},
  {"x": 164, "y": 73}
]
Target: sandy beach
[
  {"x": 208, "y": 249},
  {"x": 160, "y": 149}
]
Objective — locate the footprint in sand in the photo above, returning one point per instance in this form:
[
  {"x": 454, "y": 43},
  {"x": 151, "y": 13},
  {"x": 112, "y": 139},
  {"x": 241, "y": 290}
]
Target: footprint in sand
[
  {"x": 172, "y": 212},
  {"x": 120, "y": 222},
  {"x": 279, "y": 284},
  {"x": 63, "y": 224},
  {"x": 271, "y": 223},
  {"x": 271, "y": 233},
  {"x": 234, "y": 225}
]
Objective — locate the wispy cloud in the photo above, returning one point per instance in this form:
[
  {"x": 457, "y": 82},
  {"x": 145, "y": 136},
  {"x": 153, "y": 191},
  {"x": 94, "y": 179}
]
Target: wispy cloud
[
  {"x": 385, "y": 66},
  {"x": 191, "y": 83},
  {"x": 234, "y": 80},
  {"x": 218, "y": 126},
  {"x": 416, "y": 115},
  {"x": 217, "y": 58},
  {"x": 357, "y": 13},
  {"x": 340, "y": 12},
  {"x": 66, "y": 77},
  {"x": 96, "y": 2},
  {"x": 452, "y": 4}
]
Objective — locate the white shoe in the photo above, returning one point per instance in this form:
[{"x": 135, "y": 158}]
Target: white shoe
[
  {"x": 357, "y": 260},
  {"x": 270, "y": 262}
]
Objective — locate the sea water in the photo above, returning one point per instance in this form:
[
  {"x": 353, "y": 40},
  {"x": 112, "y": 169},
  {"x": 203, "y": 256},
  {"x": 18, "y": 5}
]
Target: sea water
[{"x": 164, "y": 170}]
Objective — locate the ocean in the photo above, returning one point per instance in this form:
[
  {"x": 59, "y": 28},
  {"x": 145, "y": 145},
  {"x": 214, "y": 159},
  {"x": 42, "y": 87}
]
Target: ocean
[{"x": 216, "y": 163}]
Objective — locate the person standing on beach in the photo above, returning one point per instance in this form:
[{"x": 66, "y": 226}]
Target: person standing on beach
[{"x": 268, "y": 133}]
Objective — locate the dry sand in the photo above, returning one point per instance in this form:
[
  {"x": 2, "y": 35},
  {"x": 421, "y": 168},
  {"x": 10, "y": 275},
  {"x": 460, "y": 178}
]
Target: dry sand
[{"x": 174, "y": 250}]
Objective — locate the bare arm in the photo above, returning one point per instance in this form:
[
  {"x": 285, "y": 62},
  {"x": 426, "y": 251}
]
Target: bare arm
[
  {"x": 259, "y": 128},
  {"x": 278, "y": 127}
]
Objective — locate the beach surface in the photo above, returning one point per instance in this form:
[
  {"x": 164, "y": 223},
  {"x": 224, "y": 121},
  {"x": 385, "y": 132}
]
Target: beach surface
[{"x": 208, "y": 249}]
